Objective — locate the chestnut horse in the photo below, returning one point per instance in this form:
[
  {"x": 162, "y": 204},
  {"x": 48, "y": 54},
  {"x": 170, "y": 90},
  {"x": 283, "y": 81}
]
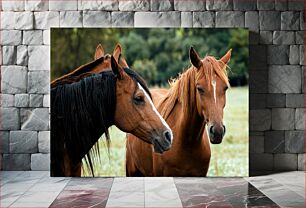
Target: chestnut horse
[
  {"x": 192, "y": 105},
  {"x": 84, "y": 107}
]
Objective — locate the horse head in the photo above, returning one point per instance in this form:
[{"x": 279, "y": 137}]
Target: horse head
[{"x": 211, "y": 84}]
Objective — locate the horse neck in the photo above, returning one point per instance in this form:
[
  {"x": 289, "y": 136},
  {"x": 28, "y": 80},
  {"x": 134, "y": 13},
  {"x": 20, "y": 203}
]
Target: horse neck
[
  {"x": 192, "y": 124},
  {"x": 78, "y": 117}
]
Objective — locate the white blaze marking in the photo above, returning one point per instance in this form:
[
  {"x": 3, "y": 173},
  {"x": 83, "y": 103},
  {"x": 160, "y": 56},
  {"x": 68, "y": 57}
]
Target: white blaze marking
[
  {"x": 155, "y": 110},
  {"x": 213, "y": 83}
]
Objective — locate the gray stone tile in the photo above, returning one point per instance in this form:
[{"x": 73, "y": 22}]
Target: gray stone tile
[
  {"x": 283, "y": 38},
  {"x": 186, "y": 19},
  {"x": 244, "y": 5},
  {"x": 278, "y": 54},
  {"x": 157, "y": 19},
  {"x": 265, "y": 5},
  {"x": 276, "y": 100},
  {"x": 37, "y": 120},
  {"x": 301, "y": 165},
  {"x": 162, "y": 5},
  {"x": 260, "y": 161},
  {"x": 10, "y": 119},
  {"x": 257, "y": 101},
  {"x": 230, "y": 19},
  {"x": 111, "y": 5},
  {"x": 219, "y": 5},
  {"x": 71, "y": 19},
  {"x": 126, "y": 199},
  {"x": 285, "y": 162},
  {"x": 40, "y": 161},
  {"x": 6, "y": 100},
  {"x": 300, "y": 119},
  {"x": 285, "y": 79},
  {"x": 256, "y": 144},
  {"x": 252, "y": 21},
  {"x": 63, "y": 5},
  {"x": 274, "y": 141},
  {"x": 23, "y": 142},
  {"x": 269, "y": 20},
  {"x": 203, "y": 19},
  {"x": 283, "y": 118},
  {"x": 4, "y": 141},
  {"x": 122, "y": 19},
  {"x": 295, "y": 100},
  {"x": 266, "y": 37},
  {"x": 281, "y": 5},
  {"x": 134, "y": 5},
  {"x": 290, "y": 20},
  {"x": 196, "y": 5},
  {"x": 260, "y": 120},
  {"x": 97, "y": 19},
  {"x": 13, "y": 79},
  {"x": 128, "y": 184},
  {"x": 294, "y": 142}
]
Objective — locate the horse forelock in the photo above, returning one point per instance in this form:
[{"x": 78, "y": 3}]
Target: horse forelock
[
  {"x": 211, "y": 66},
  {"x": 138, "y": 79}
]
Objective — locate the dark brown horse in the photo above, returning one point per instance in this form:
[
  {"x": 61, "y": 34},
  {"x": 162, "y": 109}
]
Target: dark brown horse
[
  {"x": 85, "y": 104},
  {"x": 192, "y": 105}
]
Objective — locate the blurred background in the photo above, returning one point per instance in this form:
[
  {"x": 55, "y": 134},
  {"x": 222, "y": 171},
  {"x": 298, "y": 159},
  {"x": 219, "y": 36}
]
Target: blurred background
[{"x": 159, "y": 54}]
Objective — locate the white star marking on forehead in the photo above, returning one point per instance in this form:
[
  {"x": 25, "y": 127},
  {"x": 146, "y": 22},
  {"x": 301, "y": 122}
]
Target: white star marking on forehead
[{"x": 213, "y": 83}]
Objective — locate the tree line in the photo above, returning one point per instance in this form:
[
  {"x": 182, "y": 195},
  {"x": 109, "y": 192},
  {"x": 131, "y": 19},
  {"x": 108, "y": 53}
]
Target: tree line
[{"x": 157, "y": 54}]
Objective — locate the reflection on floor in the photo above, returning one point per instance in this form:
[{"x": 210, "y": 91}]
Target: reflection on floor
[{"x": 37, "y": 189}]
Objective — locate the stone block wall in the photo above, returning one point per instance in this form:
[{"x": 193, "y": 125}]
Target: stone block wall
[{"x": 276, "y": 67}]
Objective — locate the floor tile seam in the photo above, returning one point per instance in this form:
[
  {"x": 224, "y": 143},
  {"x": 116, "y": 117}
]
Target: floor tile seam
[
  {"x": 45, "y": 191},
  {"x": 178, "y": 192},
  {"x": 267, "y": 194},
  {"x": 24, "y": 191},
  {"x": 288, "y": 187},
  {"x": 57, "y": 195},
  {"x": 144, "y": 191},
  {"x": 12, "y": 178},
  {"x": 110, "y": 190}
]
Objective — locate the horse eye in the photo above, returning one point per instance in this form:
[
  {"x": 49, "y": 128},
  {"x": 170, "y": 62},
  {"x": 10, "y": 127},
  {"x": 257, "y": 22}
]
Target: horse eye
[
  {"x": 139, "y": 100},
  {"x": 200, "y": 90}
]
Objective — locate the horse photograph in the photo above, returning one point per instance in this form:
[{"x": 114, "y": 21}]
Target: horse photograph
[{"x": 149, "y": 102}]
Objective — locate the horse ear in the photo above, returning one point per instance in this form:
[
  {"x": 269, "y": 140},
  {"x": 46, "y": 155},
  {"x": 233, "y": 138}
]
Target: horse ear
[
  {"x": 226, "y": 58},
  {"x": 194, "y": 58},
  {"x": 117, "y": 52},
  {"x": 99, "y": 52},
  {"x": 116, "y": 68}
]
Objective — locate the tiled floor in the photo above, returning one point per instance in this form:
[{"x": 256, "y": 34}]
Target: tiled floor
[{"x": 37, "y": 189}]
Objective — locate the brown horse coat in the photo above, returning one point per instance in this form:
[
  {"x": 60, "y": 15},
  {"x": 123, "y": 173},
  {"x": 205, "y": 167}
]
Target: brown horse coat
[{"x": 181, "y": 107}]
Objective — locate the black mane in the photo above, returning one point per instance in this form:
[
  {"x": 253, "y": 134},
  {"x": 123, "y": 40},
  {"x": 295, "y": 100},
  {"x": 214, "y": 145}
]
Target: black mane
[{"x": 81, "y": 113}]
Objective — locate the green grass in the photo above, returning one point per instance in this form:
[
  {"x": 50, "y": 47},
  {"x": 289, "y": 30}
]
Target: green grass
[{"x": 230, "y": 158}]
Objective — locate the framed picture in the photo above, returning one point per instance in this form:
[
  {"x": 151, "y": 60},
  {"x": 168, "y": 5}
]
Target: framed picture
[{"x": 149, "y": 102}]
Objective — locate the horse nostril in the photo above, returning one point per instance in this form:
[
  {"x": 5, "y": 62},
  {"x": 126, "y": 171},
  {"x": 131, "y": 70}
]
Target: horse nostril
[
  {"x": 224, "y": 129},
  {"x": 167, "y": 135},
  {"x": 211, "y": 130}
]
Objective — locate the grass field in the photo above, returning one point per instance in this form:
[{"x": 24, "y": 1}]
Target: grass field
[{"x": 230, "y": 158}]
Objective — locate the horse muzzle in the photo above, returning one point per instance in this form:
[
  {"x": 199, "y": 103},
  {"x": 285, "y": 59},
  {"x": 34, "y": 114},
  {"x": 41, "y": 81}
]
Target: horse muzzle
[
  {"x": 216, "y": 133},
  {"x": 162, "y": 143}
]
